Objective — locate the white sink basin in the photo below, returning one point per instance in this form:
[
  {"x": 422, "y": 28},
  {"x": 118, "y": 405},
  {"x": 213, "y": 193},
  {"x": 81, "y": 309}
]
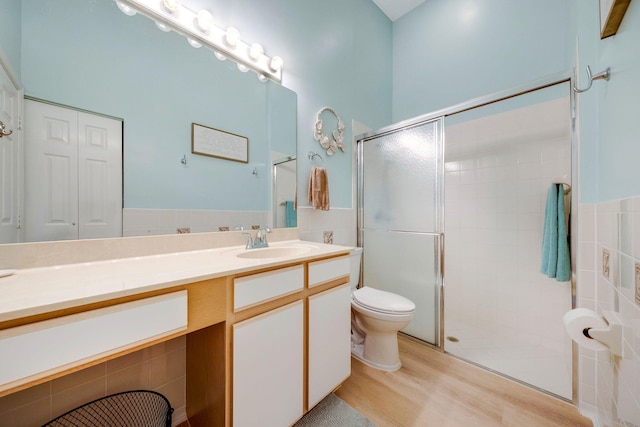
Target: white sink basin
[{"x": 274, "y": 252}]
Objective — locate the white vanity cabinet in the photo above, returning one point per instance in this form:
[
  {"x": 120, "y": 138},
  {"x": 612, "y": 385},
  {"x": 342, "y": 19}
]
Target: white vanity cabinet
[
  {"x": 268, "y": 368},
  {"x": 329, "y": 327},
  {"x": 265, "y": 340},
  {"x": 268, "y": 348},
  {"x": 291, "y": 340},
  {"x": 329, "y": 341}
]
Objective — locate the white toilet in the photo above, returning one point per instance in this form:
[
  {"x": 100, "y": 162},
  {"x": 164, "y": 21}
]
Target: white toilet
[{"x": 376, "y": 318}]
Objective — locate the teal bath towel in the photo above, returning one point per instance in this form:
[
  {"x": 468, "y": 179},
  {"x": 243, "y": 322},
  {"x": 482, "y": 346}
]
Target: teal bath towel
[
  {"x": 556, "y": 260},
  {"x": 290, "y": 214}
]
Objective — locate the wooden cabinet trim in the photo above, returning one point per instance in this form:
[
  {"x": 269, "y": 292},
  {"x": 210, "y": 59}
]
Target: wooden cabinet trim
[{"x": 206, "y": 306}]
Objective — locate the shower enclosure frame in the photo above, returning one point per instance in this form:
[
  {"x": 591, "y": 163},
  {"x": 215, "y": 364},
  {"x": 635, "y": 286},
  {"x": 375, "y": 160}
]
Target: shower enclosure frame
[
  {"x": 542, "y": 83},
  {"x": 439, "y": 214}
]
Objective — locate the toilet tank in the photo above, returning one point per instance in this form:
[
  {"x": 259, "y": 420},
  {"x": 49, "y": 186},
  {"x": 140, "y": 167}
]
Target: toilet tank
[{"x": 354, "y": 276}]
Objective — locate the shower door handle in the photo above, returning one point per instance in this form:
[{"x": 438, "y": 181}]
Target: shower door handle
[
  {"x": 441, "y": 256},
  {"x": 440, "y": 250}
]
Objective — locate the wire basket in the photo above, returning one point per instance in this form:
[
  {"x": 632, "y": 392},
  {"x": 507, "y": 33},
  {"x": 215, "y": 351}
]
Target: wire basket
[{"x": 137, "y": 408}]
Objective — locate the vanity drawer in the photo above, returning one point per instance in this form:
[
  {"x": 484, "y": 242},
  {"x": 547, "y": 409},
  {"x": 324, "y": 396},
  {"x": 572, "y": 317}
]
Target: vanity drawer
[
  {"x": 258, "y": 288},
  {"x": 324, "y": 271},
  {"x": 51, "y": 346}
]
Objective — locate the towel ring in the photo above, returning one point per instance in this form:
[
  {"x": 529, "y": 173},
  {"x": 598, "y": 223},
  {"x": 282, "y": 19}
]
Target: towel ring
[{"x": 566, "y": 187}]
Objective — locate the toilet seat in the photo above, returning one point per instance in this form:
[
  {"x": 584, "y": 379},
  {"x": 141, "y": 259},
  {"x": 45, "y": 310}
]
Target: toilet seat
[{"x": 382, "y": 301}]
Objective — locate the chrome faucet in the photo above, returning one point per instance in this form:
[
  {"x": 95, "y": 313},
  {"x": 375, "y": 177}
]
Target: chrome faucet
[{"x": 260, "y": 240}]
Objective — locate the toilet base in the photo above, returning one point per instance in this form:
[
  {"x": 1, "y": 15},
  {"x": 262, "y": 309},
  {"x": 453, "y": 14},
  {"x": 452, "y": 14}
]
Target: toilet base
[
  {"x": 387, "y": 354},
  {"x": 388, "y": 368}
]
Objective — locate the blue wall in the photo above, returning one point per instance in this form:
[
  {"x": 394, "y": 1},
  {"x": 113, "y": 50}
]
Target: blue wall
[
  {"x": 444, "y": 52},
  {"x": 618, "y": 106},
  {"x": 337, "y": 53},
  {"x": 587, "y": 36},
  {"x": 90, "y": 55},
  {"x": 336, "y": 59},
  {"x": 10, "y": 29},
  {"x": 450, "y": 51},
  {"x": 608, "y": 112}
]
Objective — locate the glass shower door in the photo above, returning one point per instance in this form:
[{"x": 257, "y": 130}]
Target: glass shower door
[{"x": 399, "y": 219}]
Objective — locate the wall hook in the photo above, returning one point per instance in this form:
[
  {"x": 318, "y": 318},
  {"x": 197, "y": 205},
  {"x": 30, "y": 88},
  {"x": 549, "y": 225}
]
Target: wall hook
[
  {"x": 606, "y": 74},
  {"x": 312, "y": 154},
  {"x": 183, "y": 160},
  {"x": 255, "y": 171},
  {"x": 2, "y": 132}
]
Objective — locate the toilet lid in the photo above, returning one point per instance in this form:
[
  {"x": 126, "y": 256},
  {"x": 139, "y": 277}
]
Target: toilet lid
[{"x": 382, "y": 301}]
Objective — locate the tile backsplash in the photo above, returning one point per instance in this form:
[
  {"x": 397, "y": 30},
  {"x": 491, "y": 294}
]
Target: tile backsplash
[
  {"x": 313, "y": 224},
  {"x": 609, "y": 388},
  {"x": 152, "y": 222}
]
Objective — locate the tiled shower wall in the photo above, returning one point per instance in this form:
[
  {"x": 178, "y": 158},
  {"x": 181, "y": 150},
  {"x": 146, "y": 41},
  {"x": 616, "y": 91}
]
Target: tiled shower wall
[
  {"x": 609, "y": 387},
  {"x": 497, "y": 173}
]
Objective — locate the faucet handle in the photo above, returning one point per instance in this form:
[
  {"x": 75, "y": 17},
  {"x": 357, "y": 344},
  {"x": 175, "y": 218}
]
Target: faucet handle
[
  {"x": 238, "y": 227},
  {"x": 250, "y": 244},
  {"x": 261, "y": 236}
]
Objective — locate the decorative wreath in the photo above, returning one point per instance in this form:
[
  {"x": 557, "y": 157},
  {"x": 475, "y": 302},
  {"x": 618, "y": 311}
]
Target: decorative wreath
[{"x": 338, "y": 135}]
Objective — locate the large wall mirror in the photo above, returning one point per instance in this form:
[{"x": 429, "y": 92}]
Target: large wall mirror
[{"x": 88, "y": 55}]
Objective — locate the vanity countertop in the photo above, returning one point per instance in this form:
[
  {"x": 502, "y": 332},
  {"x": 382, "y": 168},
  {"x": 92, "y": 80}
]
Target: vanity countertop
[{"x": 40, "y": 290}]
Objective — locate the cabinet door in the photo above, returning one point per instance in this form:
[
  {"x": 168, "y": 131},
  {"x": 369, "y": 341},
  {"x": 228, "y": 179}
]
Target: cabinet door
[
  {"x": 268, "y": 368},
  {"x": 329, "y": 341}
]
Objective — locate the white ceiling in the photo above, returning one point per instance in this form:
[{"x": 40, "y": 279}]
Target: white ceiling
[{"x": 394, "y": 9}]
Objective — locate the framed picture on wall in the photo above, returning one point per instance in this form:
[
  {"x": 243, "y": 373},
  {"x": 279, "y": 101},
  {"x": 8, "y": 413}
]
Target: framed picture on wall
[
  {"x": 611, "y": 14},
  {"x": 217, "y": 143}
]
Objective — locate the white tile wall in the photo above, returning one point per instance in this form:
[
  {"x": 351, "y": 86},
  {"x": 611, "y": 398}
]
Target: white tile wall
[
  {"x": 151, "y": 222},
  {"x": 313, "y": 223},
  {"x": 609, "y": 387},
  {"x": 498, "y": 170}
]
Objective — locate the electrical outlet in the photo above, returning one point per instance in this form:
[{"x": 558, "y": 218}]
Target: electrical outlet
[
  {"x": 328, "y": 237},
  {"x": 637, "y": 282},
  {"x": 605, "y": 263},
  {"x": 184, "y": 230}
]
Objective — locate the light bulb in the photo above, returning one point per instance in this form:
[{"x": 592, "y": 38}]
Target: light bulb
[
  {"x": 232, "y": 36},
  {"x": 126, "y": 9},
  {"x": 204, "y": 20},
  {"x": 163, "y": 27},
  {"x": 220, "y": 56},
  {"x": 170, "y": 5},
  {"x": 277, "y": 63},
  {"x": 193, "y": 42},
  {"x": 243, "y": 68},
  {"x": 255, "y": 51}
]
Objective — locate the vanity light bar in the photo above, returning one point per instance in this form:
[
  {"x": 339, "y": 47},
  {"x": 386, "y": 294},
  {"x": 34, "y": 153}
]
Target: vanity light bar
[{"x": 193, "y": 25}]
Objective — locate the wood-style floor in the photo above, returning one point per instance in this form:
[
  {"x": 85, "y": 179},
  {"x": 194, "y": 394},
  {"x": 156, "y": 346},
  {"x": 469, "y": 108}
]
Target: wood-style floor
[{"x": 435, "y": 389}]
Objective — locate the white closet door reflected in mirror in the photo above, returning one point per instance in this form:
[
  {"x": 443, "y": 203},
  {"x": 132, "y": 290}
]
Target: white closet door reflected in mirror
[
  {"x": 10, "y": 159},
  {"x": 73, "y": 184}
]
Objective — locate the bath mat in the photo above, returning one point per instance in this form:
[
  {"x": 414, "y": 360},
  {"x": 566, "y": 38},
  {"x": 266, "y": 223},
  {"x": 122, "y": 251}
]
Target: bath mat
[{"x": 333, "y": 412}]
